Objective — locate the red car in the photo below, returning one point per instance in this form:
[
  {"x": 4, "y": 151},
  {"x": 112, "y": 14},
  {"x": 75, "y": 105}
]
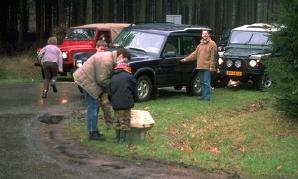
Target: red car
[{"x": 83, "y": 39}]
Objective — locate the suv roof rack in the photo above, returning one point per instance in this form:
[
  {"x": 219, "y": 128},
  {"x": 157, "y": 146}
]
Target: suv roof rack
[{"x": 170, "y": 27}]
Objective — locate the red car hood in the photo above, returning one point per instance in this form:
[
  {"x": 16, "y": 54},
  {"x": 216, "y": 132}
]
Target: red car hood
[{"x": 76, "y": 44}]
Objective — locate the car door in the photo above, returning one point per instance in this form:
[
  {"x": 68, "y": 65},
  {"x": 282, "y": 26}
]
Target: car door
[
  {"x": 188, "y": 45},
  {"x": 168, "y": 72}
]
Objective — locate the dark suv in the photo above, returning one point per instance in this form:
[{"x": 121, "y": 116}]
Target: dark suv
[
  {"x": 156, "y": 51},
  {"x": 242, "y": 58}
]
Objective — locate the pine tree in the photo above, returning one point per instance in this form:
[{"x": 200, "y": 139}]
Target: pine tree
[{"x": 283, "y": 69}]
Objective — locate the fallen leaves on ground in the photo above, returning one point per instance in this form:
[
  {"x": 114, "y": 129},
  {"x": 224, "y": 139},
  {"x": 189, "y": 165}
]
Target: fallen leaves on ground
[{"x": 213, "y": 150}]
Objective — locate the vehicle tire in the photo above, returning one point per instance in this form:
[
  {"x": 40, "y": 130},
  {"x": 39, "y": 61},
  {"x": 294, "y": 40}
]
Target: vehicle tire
[
  {"x": 263, "y": 82},
  {"x": 144, "y": 88},
  {"x": 194, "y": 87}
]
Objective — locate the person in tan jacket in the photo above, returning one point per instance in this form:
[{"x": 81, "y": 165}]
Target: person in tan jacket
[
  {"x": 205, "y": 54},
  {"x": 94, "y": 78}
]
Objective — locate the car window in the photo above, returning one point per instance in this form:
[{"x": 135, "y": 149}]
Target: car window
[
  {"x": 181, "y": 45},
  {"x": 148, "y": 42},
  {"x": 172, "y": 45},
  {"x": 189, "y": 44},
  {"x": 104, "y": 35},
  {"x": 80, "y": 34}
]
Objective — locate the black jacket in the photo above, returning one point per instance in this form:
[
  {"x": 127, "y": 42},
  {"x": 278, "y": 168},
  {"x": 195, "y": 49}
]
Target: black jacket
[{"x": 122, "y": 90}]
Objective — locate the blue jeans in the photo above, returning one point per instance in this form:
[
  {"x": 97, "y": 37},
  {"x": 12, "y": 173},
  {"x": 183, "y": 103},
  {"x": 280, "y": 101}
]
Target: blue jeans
[
  {"x": 92, "y": 112},
  {"x": 205, "y": 80}
]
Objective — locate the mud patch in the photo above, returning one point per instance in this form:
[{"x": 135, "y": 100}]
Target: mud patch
[{"x": 50, "y": 118}]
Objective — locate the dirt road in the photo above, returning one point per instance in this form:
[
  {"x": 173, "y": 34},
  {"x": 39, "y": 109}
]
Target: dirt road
[{"x": 31, "y": 149}]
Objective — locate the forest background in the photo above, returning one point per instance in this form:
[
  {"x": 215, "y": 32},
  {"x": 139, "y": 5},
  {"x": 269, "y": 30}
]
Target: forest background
[{"x": 27, "y": 23}]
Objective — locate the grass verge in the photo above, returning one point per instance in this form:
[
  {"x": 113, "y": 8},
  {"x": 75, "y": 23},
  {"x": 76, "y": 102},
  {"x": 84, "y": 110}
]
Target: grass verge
[
  {"x": 18, "y": 69},
  {"x": 237, "y": 131}
]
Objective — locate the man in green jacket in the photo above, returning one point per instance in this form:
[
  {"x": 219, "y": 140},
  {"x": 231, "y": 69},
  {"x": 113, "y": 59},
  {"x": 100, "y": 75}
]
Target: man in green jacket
[{"x": 205, "y": 54}]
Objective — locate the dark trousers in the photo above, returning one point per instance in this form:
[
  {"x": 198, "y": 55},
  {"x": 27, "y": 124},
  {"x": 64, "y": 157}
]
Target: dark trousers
[{"x": 50, "y": 70}]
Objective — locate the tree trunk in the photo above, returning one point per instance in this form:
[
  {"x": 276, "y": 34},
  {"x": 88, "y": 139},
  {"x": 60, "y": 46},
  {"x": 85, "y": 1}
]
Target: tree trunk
[
  {"x": 131, "y": 12},
  {"x": 190, "y": 12},
  {"x": 105, "y": 10},
  {"x": 40, "y": 14},
  {"x": 61, "y": 15},
  {"x": 212, "y": 16},
  {"x": 89, "y": 11},
  {"x": 260, "y": 11},
  {"x": 80, "y": 10},
  {"x": 199, "y": 16},
  {"x": 253, "y": 11},
  {"x": 159, "y": 11},
  {"x": 3, "y": 23},
  {"x": 21, "y": 21},
  {"x": 235, "y": 13},
  {"x": 219, "y": 20},
  {"x": 141, "y": 15},
  {"x": 115, "y": 11}
]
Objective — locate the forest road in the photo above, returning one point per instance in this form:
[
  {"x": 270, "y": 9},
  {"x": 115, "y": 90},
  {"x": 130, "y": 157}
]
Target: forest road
[{"x": 31, "y": 149}]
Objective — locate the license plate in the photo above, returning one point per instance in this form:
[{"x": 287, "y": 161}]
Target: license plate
[{"x": 234, "y": 73}]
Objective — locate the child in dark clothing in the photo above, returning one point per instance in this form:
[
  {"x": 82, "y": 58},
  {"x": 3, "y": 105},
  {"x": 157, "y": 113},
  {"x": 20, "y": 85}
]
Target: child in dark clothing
[{"x": 122, "y": 93}]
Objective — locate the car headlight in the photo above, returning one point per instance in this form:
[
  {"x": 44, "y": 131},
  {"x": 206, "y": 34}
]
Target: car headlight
[
  {"x": 64, "y": 54},
  {"x": 220, "y": 61},
  {"x": 238, "y": 63},
  {"x": 229, "y": 63},
  {"x": 252, "y": 63}
]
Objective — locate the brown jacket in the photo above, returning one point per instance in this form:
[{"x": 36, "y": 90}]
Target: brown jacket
[
  {"x": 95, "y": 73},
  {"x": 205, "y": 54}
]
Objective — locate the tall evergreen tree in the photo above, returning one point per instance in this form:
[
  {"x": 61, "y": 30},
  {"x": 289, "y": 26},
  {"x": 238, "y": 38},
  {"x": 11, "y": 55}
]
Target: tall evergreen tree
[{"x": 284, "y": 68}]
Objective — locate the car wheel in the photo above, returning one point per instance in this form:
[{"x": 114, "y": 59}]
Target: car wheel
[
  {"x": 263, "y": 82},
  {"x": 144, "y": 88},
  {"x": 194, "y": 87}
]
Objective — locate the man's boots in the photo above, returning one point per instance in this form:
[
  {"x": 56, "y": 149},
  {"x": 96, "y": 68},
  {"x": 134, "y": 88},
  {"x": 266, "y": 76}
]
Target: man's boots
[{"x": 122, "y": 136}]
